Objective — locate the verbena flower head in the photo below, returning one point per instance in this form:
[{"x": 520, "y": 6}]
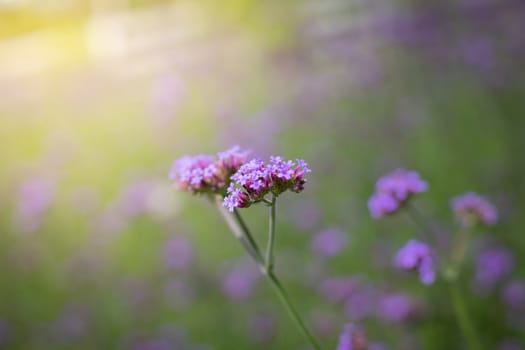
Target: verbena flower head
[
  {"x": 255, "y": 179},
  {"x": 393, "y": 190},
  {"x": 397, "y": 307},
  {"x": 418, "y": 256},
  {"x": 329, "y": 243},
  {"x": 513, "y": 295},
  {"x": 352, "y": 338},
  {"x": 493, "y": 265},
  {"x": 471, "y": 208},
  {"x": 206, "y": 173}
]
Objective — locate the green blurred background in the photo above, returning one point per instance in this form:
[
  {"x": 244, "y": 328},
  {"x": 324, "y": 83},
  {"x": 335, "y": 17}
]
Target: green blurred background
[{"x": 97, "y": 251}]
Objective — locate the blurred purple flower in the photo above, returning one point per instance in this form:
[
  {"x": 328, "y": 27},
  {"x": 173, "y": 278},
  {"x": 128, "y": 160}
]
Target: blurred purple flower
[
  {"x": 352, "y": 338},
  {"x": 166, "y": 96},
  {"x": 239, "y": 282},
  {"x": 513, "y": 295},
  {"x": 338, "y": 289},
  {"x": 418, "y": 256},
  {"x": 326, "y": 324},
  {"x": 509, "y": 345},
  {"x": 305, "y": 215},
  {"x": 262, "y": 329},
  {"x": 4, "y": 332},
  {"x": 330, "y": 242},
  {"x": 153, "y": 344},
  {"x": 479, "y": 53},
  {"x": 493, "y": 265},
  {"x": 393, "y": 190},
  {"x": 471, "y": 208},
  {"x": 179, "y": 294},
  {"x": 178, "y": 253},
  {"x": 72, "y": 324},
  {"x": 397, "y": 308},
  {"x": 34, "y": 199},
  {"x": 133, "y": 200},
  {"x": 360, "y": 304}
]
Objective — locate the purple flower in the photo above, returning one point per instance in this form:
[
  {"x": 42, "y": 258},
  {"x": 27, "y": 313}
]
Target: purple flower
[
  {"x": 397, "y": 308},
  {"x": 34, "y": 199},
  {"x": 238, "y": 283},
  {"x": 493, "y": 265},
  {"x": 381, "y": 204},
  {"x": 509, "y": 345},
  {"x": 360, "y": 304},
  {"x": 329, "y": 242},
  {"x": 352, "y": 338},
  {"x": 471, "y": 208},
  {"x": 178, "y": 253},
  {"x": 513, "y": 295},
  {"x": 338, "y": 289},
  {"x": 262, "y": 329},
  {"x": 205, "y": 173},
  {"x": 418, "y": 256},
  {"x": 393, "y": 190},
  {"x": 256, "y": 179}
]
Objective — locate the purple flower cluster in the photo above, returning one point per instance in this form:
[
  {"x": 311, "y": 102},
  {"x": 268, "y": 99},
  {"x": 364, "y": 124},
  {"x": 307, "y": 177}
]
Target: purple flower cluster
[
  {"x": 471, "y": 208},
  {"x": 398, "y": 308},
  {"x": 418, "y": 256},
  {"x": 352, "y": 338},
  {"x": 393, "y": 190},
  {"x": 206, "y": 173},
  {"x": 329, "y": 242},
  {"x": 256, "y": 179},
  {"x": 493, "y": 265}
]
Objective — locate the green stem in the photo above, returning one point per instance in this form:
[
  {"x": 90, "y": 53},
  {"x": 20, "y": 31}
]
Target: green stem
[
  {"x": 463, "y": 319},
  {"x": 240, "y": 233},
  {"x": 247, "y": 233},
  {"x": 271, "y": 237},
  {"x": 285, "y": 299},
  {"x": 420, "y": 221}
]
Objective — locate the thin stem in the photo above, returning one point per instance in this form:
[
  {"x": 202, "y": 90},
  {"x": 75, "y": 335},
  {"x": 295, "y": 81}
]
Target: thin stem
[
  {"x": 285, "y": 299},
  {"x": 463, "y": 319},
  {"x": 239, "y": 233},
  {"x": 419, "y": 220},
  {"x": 247, "y": 233},
  {"x": 271, "y": 237},
  {"x": 458, "y": 254},
  {"x": 242, "y": 233}
]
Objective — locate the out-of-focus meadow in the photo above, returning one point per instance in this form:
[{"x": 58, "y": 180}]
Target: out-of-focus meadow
[{"x": 98, "y": 251}]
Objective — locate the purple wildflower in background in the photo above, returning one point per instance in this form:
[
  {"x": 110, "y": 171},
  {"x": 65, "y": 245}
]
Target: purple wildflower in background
[
  {"x": 509, "y": 345},
  {"x": 178, "y": 253},
  {"x": 239, "y": 282},
  {"x": 256, "y": 179},
  {"x": 34, "y": 199},
  {"x": 493, "y": 265},
  {"x": 330, "y": 242},
  {"x": 471, "y": 208},
  {"x": 393, "y": 190},
  {"x": 326, "y": 324},
  {"x": 4, "y": 332},
  {"x": 338, "y": 289},
  {"x": 513, "y": 295},
  {"x": 418, "y": 256},
  {"x": 262, "y": 329},
  {"x": 205, "y": 173},
  {"x": 397, "y": 308},
  {"x": 360, "y": 304},
  {"x": 352, "y": 338}
]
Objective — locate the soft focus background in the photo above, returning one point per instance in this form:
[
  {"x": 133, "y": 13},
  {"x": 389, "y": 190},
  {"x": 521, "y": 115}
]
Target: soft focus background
[{"x": 97, "y": 251}]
